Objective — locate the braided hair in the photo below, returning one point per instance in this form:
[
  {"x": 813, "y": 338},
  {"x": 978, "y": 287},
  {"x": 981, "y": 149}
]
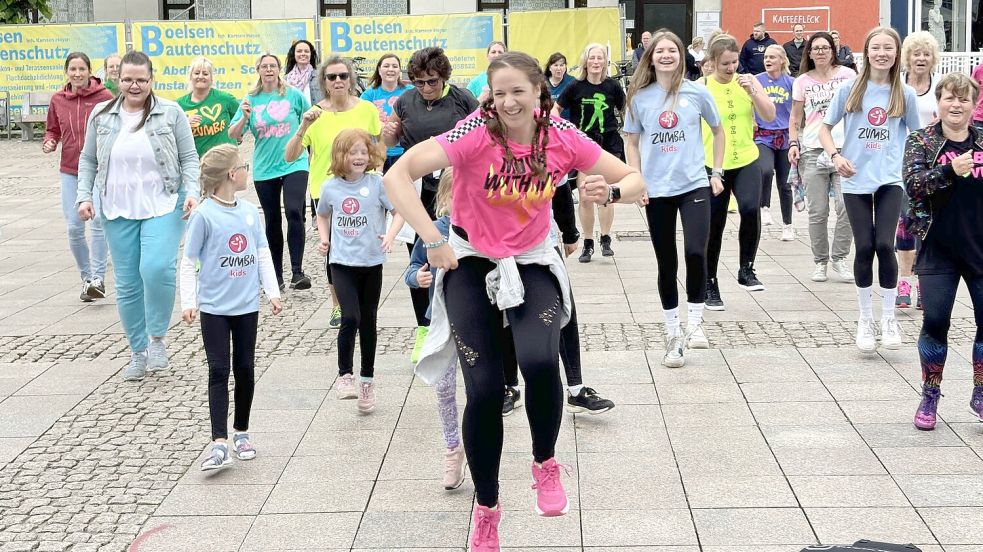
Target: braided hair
[{"x": 528, "y": 65}]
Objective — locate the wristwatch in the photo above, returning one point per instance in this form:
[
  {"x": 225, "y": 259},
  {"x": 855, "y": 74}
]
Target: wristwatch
[
  {"x": 717, "y": 173},
  {"x": 614, "y": 194}
]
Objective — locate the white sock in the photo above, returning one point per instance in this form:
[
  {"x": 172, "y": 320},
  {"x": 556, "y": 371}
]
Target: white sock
[
  {"x": 694, "y": 314},
  {"x": 887, "y": 302},
  {"x": 865, "y": 298},
  {"x": 672, "y": 321},
  {"x": 364, "y": 379},
  {"x": 575, "y": 389}
]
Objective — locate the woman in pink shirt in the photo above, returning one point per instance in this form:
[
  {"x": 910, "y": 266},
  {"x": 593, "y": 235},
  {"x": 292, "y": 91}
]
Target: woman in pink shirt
[
  {"x": 978, "y": 77},
  {"x": 508, "y": 158}
]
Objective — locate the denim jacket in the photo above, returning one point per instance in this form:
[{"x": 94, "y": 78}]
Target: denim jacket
[{"x": 170, "y": 137}]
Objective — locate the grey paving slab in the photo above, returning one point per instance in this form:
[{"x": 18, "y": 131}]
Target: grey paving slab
[
  {"x": 858, "y": 491},
  {"x": 765, "y": 526},
  {"x": 292, "y": 532},
  {"x": 729, "y": 491},
  {"x": 835, "y": 525},
  {"x": 169, "y": 533},
  {"x": 637, "y": 528}
]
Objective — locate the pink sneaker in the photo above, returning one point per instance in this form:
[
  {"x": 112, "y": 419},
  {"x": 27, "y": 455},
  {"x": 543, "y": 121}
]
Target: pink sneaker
[
  {"x": 484, "y": 537},
  {"x": 925, "y": 416},
  {"x": 551, "y": 498},
  {"x": 345, "y": 387},
  {"x": 454, "y": 468},
  {"x": 366, "y": 397}
]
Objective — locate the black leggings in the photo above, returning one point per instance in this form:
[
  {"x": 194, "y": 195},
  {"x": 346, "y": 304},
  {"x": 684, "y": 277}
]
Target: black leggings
[
  {"x": 359, "y": 289},
  {"x": 477, "y": 329},
  {"x": 215, "y": 332},
  {"x": 293, "y": 187},
  {"x": 569, "y": 352},
  {"x": 874, "y": 219},
  {"x": 775, "y": 163},
  {"x": 421, "y": 296},
  {"x": 745, "y": 183},
  {"x": 694, "y": 209},
  {"x": 938, "y": 296}
]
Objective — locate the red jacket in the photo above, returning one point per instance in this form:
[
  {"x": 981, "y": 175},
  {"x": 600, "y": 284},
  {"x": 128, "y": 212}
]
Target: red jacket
[{"x": 68, "y": 114}]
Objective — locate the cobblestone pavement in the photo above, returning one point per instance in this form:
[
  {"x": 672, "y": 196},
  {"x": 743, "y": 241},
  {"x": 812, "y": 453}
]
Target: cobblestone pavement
[{"x": 780, "y": 436}]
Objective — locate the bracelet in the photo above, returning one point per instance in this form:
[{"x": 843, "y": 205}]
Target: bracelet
[
  {"x": 833, "y": 155},
  {"x": 434, "y": 245},
  {"x": 794, "y": 143}
]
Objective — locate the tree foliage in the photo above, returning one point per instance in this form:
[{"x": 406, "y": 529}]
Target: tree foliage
[{"x": 16, "y": 11}]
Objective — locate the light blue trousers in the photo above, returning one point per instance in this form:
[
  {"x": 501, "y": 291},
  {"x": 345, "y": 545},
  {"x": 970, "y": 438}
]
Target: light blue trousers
[{"x": 89, "y": 266}]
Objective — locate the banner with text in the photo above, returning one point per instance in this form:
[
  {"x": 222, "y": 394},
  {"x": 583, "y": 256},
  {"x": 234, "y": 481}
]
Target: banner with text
[
  {"x": 232, "y": 46},
  {"x": 541, "y": 33},
  {"x": 32, "y": 57},
  {"x": 464, "y": 38}
]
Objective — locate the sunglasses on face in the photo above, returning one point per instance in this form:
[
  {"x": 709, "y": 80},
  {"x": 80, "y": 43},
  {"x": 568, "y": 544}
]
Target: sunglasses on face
[
  {"x": 335, "y": 76},
  {"x": 420, "y": 83}
]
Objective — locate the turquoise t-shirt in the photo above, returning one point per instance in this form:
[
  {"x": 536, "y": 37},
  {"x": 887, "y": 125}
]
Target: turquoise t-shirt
[
  {"x": 873, "y": 142},
  {"x": 671, "y": 139},
  {"x": 383, "y": 100},
  {"x": 478, "y": 84},
  {"x": 273, "y": 121}
]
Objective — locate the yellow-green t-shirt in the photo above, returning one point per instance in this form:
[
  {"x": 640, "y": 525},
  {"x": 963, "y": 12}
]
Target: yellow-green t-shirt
[
  {"x": 737, "y": 117},
  {"x": 322, "y": 132}
]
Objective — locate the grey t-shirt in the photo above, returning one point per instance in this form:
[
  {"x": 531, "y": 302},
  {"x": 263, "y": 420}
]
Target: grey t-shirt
[{"x": 358, "y": 217}]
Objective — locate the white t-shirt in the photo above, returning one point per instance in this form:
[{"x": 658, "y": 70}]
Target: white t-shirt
[
  {"x": 134, "y": 187},
  {"x": 927, "y": 104}
]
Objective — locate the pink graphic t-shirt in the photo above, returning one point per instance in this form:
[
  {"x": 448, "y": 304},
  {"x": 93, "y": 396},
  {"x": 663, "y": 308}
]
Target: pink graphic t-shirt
[
  {"x": 504, "y": 207},
  {"x": 816, "y": 97}
]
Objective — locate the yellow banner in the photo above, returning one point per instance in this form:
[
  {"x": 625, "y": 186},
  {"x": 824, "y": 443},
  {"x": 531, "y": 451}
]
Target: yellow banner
[
  {"x": 464, "y": 38},
  {"x": 32, "y": 57},
  {"x": 232, "y": 47},
  {"x": 541, "y": 33}
]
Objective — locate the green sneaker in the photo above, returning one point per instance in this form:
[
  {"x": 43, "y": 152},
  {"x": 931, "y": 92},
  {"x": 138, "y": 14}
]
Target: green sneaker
[
  {"x": 421, "y": 335},
  {"x": 335, "y": 321}
]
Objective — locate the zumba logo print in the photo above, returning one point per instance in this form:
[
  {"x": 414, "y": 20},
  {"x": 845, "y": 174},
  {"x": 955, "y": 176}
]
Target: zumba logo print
[
  {"x": 875, "y": 135},
  {"x": 351, "y": 223},
  {"x": 276, "y": 111},
  {"x": 208, "y": 113},
  {"x": 598, "y": 104},
  {"x": 237, "y": 243},
  {"x": 350, "y": 206},
  {"x": 668, "y": 120},
  {"x": 877, "y": 116},
  {"x": 514, "y": 184},
  {"x": 946, "y": 157},
  {"x": 777, "y": 94}
]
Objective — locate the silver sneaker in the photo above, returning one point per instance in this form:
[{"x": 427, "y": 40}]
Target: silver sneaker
[
  {"x": 842, "y": 270},
  {"x": 696, "y": 338},
  {"x": 819, "y": 275},
  {"x": 137, "y": 369},
  {"x": 674, "y": 352},
  {"x": 157, "y": 356}
]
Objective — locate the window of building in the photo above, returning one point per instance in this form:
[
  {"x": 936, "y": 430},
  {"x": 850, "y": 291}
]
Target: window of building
[
  {"x": 335, "y": 8},
  {"x": 177, "y": 9}
]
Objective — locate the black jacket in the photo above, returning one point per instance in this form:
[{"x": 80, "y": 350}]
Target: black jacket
[{"x": 794, "y": 54}]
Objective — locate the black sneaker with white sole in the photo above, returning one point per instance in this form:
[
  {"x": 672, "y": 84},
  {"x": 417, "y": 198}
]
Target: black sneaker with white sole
[
  {"x": 97, "y": 288},
  {"x": 300, "y": 281},
  {"x": 714, "y": 302},
  {"x": 588, "y": 251},
  {"x": 588, "y": 401},
  {"x": 513, "y": 400},
  {"x": 747, "y": 279}
]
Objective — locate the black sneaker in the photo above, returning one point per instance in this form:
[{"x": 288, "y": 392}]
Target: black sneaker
[
  {"x": 97, "y": 288},
  {"x": 588, "y": 251},
  {"x": 714, "y": 302},
  {"x": 300, "y": 281},
  {"x": 513, "y": 400},
  {"x": 588, "y": 401},
  {"x": 84, "y": 296},
  {"x": 747, "y": 279},
  {"x": 606, "y": 246}
]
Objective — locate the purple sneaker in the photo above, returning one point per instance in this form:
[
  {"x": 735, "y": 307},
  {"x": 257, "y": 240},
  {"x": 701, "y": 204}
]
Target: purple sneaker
[
  {"x": 925, "y": 416},
  {"x": 976, "y": 403}
]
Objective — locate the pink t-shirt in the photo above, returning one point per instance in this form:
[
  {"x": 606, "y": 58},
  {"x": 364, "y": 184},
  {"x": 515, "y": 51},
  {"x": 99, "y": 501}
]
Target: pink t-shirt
[
  {"x": 816, "y": 97},
  {"x": 978, "y": 77},
  {"x": 505, "y": 208}
]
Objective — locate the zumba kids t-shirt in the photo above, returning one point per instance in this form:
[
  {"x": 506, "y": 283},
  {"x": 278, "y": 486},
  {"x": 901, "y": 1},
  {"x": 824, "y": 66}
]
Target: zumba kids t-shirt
[
  {"x": 216, "y": 112},
  {"x": 358, "y": 217}
]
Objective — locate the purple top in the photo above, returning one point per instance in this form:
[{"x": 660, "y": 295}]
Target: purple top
[{"x": 774, "y": 134}]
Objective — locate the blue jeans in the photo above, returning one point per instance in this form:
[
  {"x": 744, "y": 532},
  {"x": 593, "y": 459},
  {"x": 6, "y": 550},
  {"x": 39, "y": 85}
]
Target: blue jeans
[
  {"x": 145, "y": 265},
  {"x": 89, "y": 267}
]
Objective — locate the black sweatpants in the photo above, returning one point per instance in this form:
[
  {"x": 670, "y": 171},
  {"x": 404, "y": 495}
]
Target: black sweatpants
[
  {"x": 477, "y": 329},
  {"x": 293, "y": 188},
  {"x": 874, "y": 219},
  {"x": 694, "y": 210},
  {"x": 745, "y": 183},
  {"x": 421, "y": 296},
  {"x": 775, "y": 163},
  {"x": 216, "y": 330},
  {"x": 359, "y": 289}
]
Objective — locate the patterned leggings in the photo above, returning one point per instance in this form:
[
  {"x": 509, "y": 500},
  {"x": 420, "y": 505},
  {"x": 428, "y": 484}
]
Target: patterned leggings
[
  {"x": 938, "y": 298},
  {"x": 446, "y": 388}
]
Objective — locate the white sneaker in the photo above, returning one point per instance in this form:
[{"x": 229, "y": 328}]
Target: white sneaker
[
  {"x": 866, "y": 335},
  {"x": 788, "y": 233},
  {"x": 696, "y": 338},
  {"x": 890, "y": 334},
  {"x": 674, "y": 352},
  {"x": 842, "y": 270},
  {"x": 766, "y": 217},
  {"x": 819, "y": 275}
]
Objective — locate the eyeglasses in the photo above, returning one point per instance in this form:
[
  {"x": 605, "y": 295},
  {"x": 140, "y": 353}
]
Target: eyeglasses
[
  {"x": 420, "y": 83},
  {"x": 335, "y": 76},
  {"x": 821, "y": 49},
  {"x": 268, "y": 66},
  {"x": 129, "y": 82},
  {"x": 237, "y": 169}
]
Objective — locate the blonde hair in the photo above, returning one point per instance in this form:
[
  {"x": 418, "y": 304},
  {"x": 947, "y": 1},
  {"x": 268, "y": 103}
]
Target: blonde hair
[
  {"x": 782, "y": 55},
  {"x": 199, "y": 62},
  {"x": 645, "y": 72},
  {"x": 920, "y": 40},
  {"x": 586, "y": 54},
  {"x": 322, "y": 81},
  {"x": 721, "y": 43},
  {"x": 960, "y": 84},
  {"x": 343, "y": 144},
  {"x": 281, "y": 86},
  {"x": 442, "y": 203},
  {"x": 696, "y": 40},
  {"x": 896, "y": 107},
  {"x": 215, "y": 167}
]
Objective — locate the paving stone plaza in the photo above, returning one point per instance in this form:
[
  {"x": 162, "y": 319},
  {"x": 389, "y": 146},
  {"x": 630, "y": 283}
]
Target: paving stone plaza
[{"x": 781, "y": 435}]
